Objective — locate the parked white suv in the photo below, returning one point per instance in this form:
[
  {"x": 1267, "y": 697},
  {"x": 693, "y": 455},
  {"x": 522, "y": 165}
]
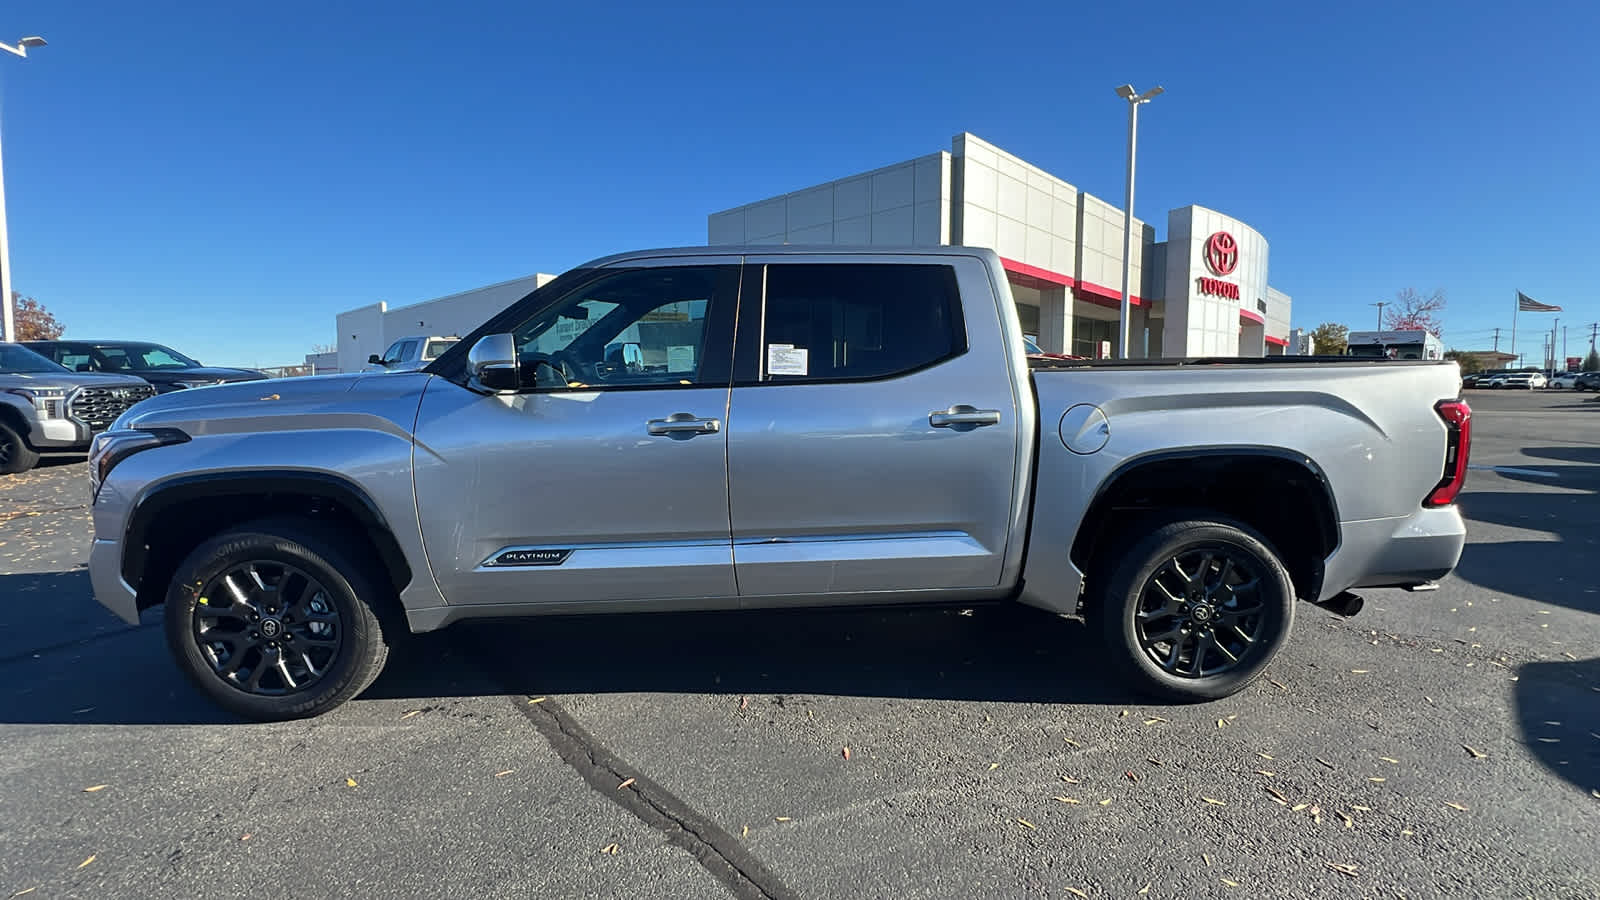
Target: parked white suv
[{"x": 410, "y": 353}]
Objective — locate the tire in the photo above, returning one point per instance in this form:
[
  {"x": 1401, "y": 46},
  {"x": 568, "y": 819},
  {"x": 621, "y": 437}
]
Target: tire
[
  {"x": 336, "y": 604},
  {"x": 15, "y": 454},
  {"x": 1206, "y": 672}
]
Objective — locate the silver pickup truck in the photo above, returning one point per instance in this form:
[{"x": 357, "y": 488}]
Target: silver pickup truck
[{"x": 722, "y": 428}]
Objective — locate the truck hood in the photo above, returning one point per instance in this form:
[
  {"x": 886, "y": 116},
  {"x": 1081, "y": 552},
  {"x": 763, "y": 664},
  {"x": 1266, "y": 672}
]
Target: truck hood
[
  {"x": 279, "y": 404},
  {"x": 67, "y": 380}
]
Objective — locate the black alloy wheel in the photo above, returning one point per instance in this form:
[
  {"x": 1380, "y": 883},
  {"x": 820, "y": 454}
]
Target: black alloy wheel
[
  {"x": 281, "y": 618},
  {"x": 15, "y": 454},
  {"x": 267, "y": 628},
  {"x": 1201, "y": 612},
  {"x": 1193, "y": 607}
]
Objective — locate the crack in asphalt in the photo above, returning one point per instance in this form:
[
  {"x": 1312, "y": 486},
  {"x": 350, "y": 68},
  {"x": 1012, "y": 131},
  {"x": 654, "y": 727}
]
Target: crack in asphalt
[{"x": 719, "y": 852}]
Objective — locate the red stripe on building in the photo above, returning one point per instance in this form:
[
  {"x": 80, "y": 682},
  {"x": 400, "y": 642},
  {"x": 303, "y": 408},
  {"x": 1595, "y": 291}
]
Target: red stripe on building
[
  {"x": 1036, "y": 273},
  {"x": 1254, "y": 317},
  {"x": 1099, "y": 291},
  {"x": 1281, "y": 342}
]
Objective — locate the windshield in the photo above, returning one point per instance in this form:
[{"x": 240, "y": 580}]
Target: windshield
[
  {"x": 121, "y": 357},
  {"x": 15, "y": 360},
  {"x": 436, "y": 348}
]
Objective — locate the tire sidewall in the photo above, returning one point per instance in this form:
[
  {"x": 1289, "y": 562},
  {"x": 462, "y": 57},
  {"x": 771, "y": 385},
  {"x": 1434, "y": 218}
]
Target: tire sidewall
[
  {"x": 1175, "y": 538},
  {"x": 22, "y": 456},
  {"x": 344, "y": 586}
]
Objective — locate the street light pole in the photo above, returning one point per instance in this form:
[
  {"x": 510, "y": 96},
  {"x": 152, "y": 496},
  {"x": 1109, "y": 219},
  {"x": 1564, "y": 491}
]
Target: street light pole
[
  {"x": 1134, "y": 99},
  {"x": 1380, "y": 306},
  {"x": 9, "y": 320}
]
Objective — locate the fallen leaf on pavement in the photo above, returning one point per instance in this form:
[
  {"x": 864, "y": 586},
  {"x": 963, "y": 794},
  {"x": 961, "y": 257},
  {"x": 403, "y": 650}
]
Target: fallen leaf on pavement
[
  {"x": 1348, "y": 822},
  {"x": 1154, "y": 719},
  {"x": 1214, "y": 802},
  {"x": 746, "y": 832},
  {"x": 1026, "y": 824},
  {"x": 1377, "y": 779},
  {"x": 1298, "y": 806},
  {"x": 1456, "y": 806},
  {"x": 1316, "y": 813},
  {"x": 246, "y": 836},
  {"x": 95, "y": 787},
  {"x": 1069, "y": 779},
  {"x": 1131, "y": 776},
  {"x": 612, "y": 849},
  {"x": 1221, "y": 723},
  {"x": 1266, "y": 773},
  {"x": 782, "y": 818},
  {"x": 1106, "y": 802},
  {"x": 1144, "y": 890},
  {"x": 1324, "y": 762},
  {"x": 537, "y": 700},
  {"x": 1278, "y": 797},
  {"x": 1476, "y": 753},
  {"x": 87, "y": 861},
  {"x": 504, "y": 774},
  {"x": 1156, "y": 762},
  {"x": 1390, "y": 759},
  {"x": 1206, "y": 857},
  {"x": 1359, "y": 671},
  {"x": 993, "y": 766},
  {"x": 1072, "y": 742},
  {"x": 20, "y": 893},
  {"x": 1230, "y": 882},
  {"x": 626, "y": 782},
  {"x": 1077, "y": 893},
  {"x": 1263, "y": 755},
  {"x": 1123, "y": 714},
  {"x": 414, "y": 712},
  {"x": 1343, "y": 869},
  {"x": 1361, "y": 808},
  {"x": 350, "y": 782},
  {"x": 744, "y": 703},
  {"x": 1068, "y": 800},
  {"x": 1281, "y": 685}
]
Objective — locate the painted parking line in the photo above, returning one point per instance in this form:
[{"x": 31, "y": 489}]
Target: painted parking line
[{"x": 1513, "y": 470}]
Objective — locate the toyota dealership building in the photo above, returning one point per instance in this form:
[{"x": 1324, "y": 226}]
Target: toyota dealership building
[{"x": 1201, "y": 292}]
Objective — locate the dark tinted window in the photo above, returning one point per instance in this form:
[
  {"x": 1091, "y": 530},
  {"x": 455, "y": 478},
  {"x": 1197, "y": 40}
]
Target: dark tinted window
[{"x": 829, "y": 322}]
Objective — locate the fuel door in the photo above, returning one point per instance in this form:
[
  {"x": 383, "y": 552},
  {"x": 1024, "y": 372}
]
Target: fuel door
[{"x": 1084, "y": 429}]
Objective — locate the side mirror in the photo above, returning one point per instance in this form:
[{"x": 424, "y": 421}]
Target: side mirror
[
  {"x": 492, "y": 364},
  {"x": 633, "y": 357},
  {"x": 374, "y": 360}
]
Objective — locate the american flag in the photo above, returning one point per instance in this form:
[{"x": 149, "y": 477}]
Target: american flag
[{"x": 1528, "y": 304}]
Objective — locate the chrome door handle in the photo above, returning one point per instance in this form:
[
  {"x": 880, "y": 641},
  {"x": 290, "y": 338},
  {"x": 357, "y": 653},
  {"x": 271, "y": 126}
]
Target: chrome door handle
[
  {"x": 684, "y": 423},
  {"x": 962, "y": 414}
]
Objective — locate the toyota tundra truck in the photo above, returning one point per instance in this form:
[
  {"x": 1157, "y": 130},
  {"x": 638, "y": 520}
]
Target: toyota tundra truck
[{"x": 735, "y": 428}]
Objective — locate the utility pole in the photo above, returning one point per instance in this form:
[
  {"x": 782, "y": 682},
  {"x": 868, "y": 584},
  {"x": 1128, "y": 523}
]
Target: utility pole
[
  {"x": 1563, "y": 345},
  {"x": 1594, "y": 330},
  {"x": 1380, "y": 305},
  {"x": 1497, "y": 340}
]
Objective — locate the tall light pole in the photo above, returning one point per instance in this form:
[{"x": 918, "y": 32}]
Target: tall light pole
[
  {"x": 1380, "y": 306},
  {"x": 9, "y": 320},
  {"x": 1134, "y": 99}
]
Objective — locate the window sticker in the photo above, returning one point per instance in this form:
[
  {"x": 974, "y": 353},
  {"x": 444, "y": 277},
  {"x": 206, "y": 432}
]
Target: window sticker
[
  {"x": 786, "y": 359},
  {"x": 680, "y": 359}
]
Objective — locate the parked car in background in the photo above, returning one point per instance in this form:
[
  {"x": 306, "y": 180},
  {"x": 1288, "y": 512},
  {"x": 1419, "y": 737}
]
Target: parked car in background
[
  {"x": 1030, "y": 344},
  {"x": 1468, "y": 381},
  {"x": 46, "y": 409},
  {"x": 165, "y": 368},
  {"x": 1564, "y": 380},
  {"x": 865, "y": 427},
  {"x": 1521, "y": 381},
  {"x": 1587, "y": 381},
  {"x": 410, "y": 353},
  {"x": 1493, "y": 380}
]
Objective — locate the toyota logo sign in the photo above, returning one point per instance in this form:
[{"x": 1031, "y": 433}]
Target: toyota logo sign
[{"x": 1222, "y": 253}]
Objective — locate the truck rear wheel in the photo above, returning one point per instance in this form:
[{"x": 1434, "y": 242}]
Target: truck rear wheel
[
  {"x": 276, "y": 620},
  {"x": 15, "y": 454},
  {"x": 1197, "y": 609}
]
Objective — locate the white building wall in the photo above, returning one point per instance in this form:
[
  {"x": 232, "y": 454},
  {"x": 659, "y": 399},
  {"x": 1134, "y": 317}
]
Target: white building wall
[
  {"x": 906, "y": 204},
  {"x": 1099, "y": 271},
  {"x": 372, "y": 328},
  {"x": 1203, "y": 324},
  {"x": 1019, "y": 210},
  {"x": 1279, "y": 306}
]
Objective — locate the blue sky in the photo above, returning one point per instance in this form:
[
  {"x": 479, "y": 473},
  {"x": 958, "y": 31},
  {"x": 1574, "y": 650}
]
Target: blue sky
[{"x": 225, "y": 177}]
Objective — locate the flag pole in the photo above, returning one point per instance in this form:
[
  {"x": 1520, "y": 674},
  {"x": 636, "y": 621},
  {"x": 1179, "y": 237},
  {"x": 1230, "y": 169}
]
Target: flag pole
[{"x": 1514, "y": 309}]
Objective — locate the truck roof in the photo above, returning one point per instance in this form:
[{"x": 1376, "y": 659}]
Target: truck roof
[{"x": 713, "y": 250}]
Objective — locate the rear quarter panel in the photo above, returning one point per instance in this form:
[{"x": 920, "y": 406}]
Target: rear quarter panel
[{"x": 1370, "y": 428}]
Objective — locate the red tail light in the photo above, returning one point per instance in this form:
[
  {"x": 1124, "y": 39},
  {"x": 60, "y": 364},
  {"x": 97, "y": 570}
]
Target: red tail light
[{"x": 1457, "y": 416}]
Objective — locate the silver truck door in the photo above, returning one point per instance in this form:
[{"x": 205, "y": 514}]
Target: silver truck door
[
  {"x": 606, "y": 478},
  {"x": 872, "y": 429}
]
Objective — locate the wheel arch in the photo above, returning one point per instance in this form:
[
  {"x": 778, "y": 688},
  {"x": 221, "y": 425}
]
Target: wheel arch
[
  {"x": 1274, "y": 490},
  {"x": 172, "y": 517}
]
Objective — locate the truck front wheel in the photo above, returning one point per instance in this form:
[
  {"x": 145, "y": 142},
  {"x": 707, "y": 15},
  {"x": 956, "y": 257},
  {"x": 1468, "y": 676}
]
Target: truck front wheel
[
  {"x": 1196, "y": 609},
  {"x": 276, "y": 619},
  {"x": 15, "y": 454}
]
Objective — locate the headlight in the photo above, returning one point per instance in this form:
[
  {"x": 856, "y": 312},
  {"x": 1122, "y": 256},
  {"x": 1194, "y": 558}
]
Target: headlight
[
  {"x": 50, "y": 402},
  {"x": 112, "y": 447},
  {"x": 195, "y": 384}
]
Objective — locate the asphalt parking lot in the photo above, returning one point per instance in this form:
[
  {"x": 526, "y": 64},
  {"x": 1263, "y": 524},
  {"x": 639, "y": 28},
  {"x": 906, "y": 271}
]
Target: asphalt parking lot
[{"x": 1443, "y": 742}]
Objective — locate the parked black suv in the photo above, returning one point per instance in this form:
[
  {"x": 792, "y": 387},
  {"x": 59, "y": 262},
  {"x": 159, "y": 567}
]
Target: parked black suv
[
  {"x": 163, "y": 367},
  {"x": 1587, "y": 381}
]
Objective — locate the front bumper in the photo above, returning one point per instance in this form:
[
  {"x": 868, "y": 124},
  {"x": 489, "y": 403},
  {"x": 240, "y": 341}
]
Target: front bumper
[
  {"x": 59, "y": 435},
  {"x": 1422, "y": 547},
  {"x": 105, "y": 576}
]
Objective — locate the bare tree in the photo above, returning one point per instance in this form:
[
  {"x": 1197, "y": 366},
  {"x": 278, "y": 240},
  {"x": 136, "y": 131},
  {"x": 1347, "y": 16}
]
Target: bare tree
[
  {"x": 1412, "y": 311},
  {"x": 323, "y": 348}
]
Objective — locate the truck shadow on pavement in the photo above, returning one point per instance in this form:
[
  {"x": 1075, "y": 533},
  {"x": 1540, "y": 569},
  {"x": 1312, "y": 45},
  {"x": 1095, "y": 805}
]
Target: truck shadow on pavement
[
  {"x": 1007, "y": 653},
  {"x": 1559, "y": 716},
  {"x": 1555, "y": 571}
]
